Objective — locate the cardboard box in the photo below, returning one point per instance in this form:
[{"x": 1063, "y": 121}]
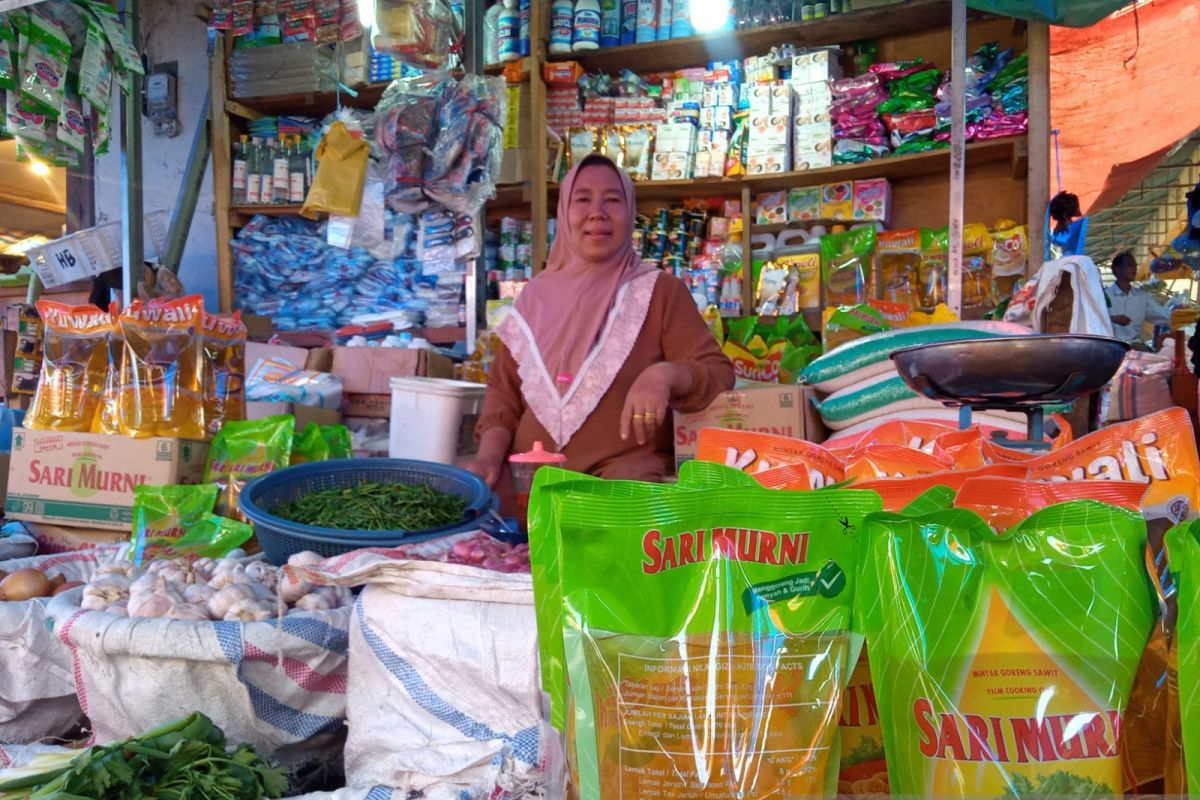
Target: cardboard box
[
  {"x": 373, "y": 406},
  {"x": 303, "y": 414},
  {"x": 516, "y": 163},
  {"x": 53, "y": 539},
  {"x": 87, "y": 479},
  {"x": 762, "y": 407},
  {"x": 369, "y": 370}
]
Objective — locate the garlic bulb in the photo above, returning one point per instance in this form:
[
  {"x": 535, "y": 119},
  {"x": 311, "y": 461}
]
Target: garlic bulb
[
  {"x": 220, "y": 603},
  {"x": 292, "y": 587},
  {"x": 199, "y": 593},
  {"x": 155, "y": 604},
  {"x": 189, "y": 611},
  {"x": 120, "y": 608},
  {"x": 248, "y": 611},
  {"x": 305, "y": 558},
  {"x": 316, "y": 601}
]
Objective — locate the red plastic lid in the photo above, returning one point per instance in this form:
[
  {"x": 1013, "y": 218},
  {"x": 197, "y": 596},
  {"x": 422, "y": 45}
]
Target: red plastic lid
[{"x": 538, "y": 455}]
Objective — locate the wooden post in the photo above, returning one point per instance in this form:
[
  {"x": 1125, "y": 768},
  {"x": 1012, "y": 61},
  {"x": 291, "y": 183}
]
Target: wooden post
[
  {"x": 1038, "y": 174},
  {"x": 133, "y": 243},
  {"x": 958, "y": 147},
  {"x": 539, "y": 202},
  {"x": 222, "y": 172},
  {"x": 749, "y": 290}
]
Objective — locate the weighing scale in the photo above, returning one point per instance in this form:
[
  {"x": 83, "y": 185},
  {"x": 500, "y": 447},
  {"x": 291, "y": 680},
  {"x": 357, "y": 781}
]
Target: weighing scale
[{"x": 1011, "y": 373}]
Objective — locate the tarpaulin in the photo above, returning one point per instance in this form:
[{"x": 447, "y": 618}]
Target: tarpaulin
[
  {"x": 1074, "y": 13},
  {"x": 1122, "y": 93}
]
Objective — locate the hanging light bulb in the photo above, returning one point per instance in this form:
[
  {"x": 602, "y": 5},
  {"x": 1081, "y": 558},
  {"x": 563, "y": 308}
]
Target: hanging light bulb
[
  {"x": 366, "y": 14},
  {"x": 709, "y": 16},
  {"x": 39, "y": 168}
]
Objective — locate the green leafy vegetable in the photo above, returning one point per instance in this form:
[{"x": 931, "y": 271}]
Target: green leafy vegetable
[
  {"x": 183, "y": 760},
  {"x": 375, "y": 507}
]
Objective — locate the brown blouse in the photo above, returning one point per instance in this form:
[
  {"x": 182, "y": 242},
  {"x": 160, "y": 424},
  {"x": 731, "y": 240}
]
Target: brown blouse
[{"x": 673, "y": 331}]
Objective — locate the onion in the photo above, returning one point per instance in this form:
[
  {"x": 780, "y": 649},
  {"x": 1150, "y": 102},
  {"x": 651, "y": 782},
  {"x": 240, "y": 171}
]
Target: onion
[
  {"x": 57, "y": 581},
  {"x": 62, "y": 587},
  {"x": 24, "y": 584}
]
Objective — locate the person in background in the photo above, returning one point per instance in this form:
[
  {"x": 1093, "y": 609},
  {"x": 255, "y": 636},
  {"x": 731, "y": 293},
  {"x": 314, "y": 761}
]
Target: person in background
[
  {"x": 599, "y": 348},
  {"x": 1130, "y": 307}
]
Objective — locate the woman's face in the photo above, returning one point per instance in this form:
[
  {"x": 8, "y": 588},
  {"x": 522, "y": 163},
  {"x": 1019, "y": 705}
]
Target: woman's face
[{"x": 598, "y": 216}]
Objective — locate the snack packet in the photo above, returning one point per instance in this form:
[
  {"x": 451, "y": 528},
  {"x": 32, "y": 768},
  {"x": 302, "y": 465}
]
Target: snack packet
[
  {"x": 125, "y": 54},
  {"x": 789, "y": 478},
  {"x": 758, "y": 452},
  {"x": 897, "y": 493},
  {"x": 223, "y": 361},
  {"x": 892, "y": 461},
  {"x": 846, "y": 260},
  {"x": 74, "y": 367},
  {"x": 164, "y": 515},
  {"x": 685, "y": 677},
  {"x": 1006, "y": 502},
  {"x": 1183, "y": 547},
  {"x": 1000, "y": 664},
  {"x": 8, "y": 52},
  {"x": 844, "y": 324},
  {"x": 898, "y": 259},
  {"x": 935, "y": 252},
  {"x": 95, "y": 68},
  {"x": 160, "y": 391},
  {"x": 244, "y": 450},
  {"x": 976, "y": 272}
]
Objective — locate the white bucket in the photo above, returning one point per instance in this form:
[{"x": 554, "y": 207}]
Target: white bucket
[{"x": 433, "y": 419}]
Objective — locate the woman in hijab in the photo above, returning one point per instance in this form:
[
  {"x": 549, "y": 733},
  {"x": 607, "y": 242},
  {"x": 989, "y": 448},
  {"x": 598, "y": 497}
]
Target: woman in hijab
[{"x": 599, "y": 348}]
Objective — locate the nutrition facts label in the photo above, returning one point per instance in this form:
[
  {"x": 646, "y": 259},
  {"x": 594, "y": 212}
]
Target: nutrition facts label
[{"x": 739, "y": 726}]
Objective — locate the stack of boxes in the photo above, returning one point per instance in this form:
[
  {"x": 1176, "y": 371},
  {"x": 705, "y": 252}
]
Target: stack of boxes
[
  {"x": 812, "y": 144},
  {"x": 563, "y": 109},
  {"x": 599, "y": 111},
  {"x": 768, "y": 150},
  {"x": 674, "y": 152},
  {"x": 718, "y": 105}
]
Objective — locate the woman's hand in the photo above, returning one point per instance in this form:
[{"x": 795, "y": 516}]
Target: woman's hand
[
  {"x": 649, "y": 398},
  {"x": 489, "y": 461}
]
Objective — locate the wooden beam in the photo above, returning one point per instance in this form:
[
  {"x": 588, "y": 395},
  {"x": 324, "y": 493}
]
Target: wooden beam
[
  {"x": 243, "y": 111},
  {"x": 222, "y": 172},
  {"x": 537, "y": 120},
  {"x": 1038, "y": 168},
  {"x": 39, "y": 203}
]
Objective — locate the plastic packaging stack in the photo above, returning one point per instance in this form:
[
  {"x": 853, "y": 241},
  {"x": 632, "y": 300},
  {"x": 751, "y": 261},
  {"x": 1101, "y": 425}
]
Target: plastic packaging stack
[
  {"x": 908, "y": 113},
  {"x": 858, "y": 132},
  {"x": 287, "y": 271}
]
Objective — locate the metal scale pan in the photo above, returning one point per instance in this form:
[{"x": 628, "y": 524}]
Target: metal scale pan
[{"x": 1011, "y": 373}]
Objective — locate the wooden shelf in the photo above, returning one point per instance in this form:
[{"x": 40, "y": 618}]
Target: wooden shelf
[
  {"x": 311, "y": 103},
  {"x": 280, "y": 210},
  {"x": 508, "y": 195},
  {"x": 893, "y": 168},
  {"x": 674, "y": 54}
]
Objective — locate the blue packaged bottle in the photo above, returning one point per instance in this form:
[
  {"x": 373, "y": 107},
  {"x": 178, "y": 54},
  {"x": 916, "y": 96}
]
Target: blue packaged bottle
[
  {"x": 647, "y": 21},
  {"x": 664, "y": 20},
  {"x": 610, "y": 23},
  {"x": 629, "y": 11},
  {"x": 523, "y": 43},
  {"x": 681, "y": 19}
]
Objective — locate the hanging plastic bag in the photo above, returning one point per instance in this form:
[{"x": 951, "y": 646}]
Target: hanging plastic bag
[
  {"x": 685, "y": 693},
  {"x": 8, "y": 54},
  {"x": 223, "y": 359},
  {"x": 245, "y": 450},
  {"x": 1000, "y": 664},
  {"x": 309, "y": 445},
  {"x": 163, "y": 515},
  {"x": 160, "y": 391},
  {"x": 126, "y": 55},
  {"x": 95, "y": 68},
  {"x": 469, "y": 144},
  {"x": 74, "y": 367},
  {"x": 405, "y": 128},
  {"x": 420, "y": 32},
  {"x": 337, "y": 187}
]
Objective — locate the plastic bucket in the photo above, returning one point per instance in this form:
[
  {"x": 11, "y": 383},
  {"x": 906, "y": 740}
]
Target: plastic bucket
[{"x": 433, "y": 419}]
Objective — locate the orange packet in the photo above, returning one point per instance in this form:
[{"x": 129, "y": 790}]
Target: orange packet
[
  {"x": 159, "y": 392},
  {"x": 893, "y": 461},
  {"x": 915, "y": 434},
  {"x": 1006, "y": 502},
  {"x": 223, "y": 366},
  {"x": 759, "y": 452},
  {"x": 74, "y": 367},
  {"x": 899, "y": 492},
  {"x": 793, "y": 478}
]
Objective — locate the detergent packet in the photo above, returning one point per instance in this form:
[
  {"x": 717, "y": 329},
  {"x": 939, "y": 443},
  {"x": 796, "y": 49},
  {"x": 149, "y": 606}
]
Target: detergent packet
[
  {"x": 95, "y": 68},
  {"x": 160, "y": 392},
  {"x": 74, "y": 367},
  {"x": 759, "y": 452},
  {"x": 125, "y": 54},
  {"x": 1183, "y": 774},
  {"x": 710, "y": 659},
  {"x": 244, "y": 450},
  {"x": 223, "y": 365},
  {"x": 164, "y": 515},
  {"x": 1000, "y": 675},
  {"x": 44, "y": 66},
  {"x": 8, "y": 54}
]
